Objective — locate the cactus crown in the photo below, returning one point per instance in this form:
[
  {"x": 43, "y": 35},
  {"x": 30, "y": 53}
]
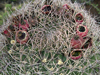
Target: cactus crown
[{"x": 47, "y": 41}]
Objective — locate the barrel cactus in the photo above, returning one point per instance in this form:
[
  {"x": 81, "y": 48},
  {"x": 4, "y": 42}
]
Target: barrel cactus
[{"x": 55, "y": 37}]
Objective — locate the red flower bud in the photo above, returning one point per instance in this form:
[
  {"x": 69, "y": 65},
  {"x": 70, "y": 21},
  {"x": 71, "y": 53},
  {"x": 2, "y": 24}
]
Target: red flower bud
[
  {"x": 22, "y": 36},
  {"x": 66, "y": 6},
  {"x": 6, "y": 33},
  {"x": 24, "y": 25},
  {"x": 46, "y": 9},
  {"x": 79, "y": 18},
  {"x": 82, "y": 30},
  {"x": 87, "y": 42},
  {"x": 76, "y": 54},
  {"x": 76, "y": 42}
]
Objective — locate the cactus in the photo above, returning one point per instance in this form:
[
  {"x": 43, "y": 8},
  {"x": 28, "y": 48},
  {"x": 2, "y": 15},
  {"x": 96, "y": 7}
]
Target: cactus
[{"x": 44, "y": 47}]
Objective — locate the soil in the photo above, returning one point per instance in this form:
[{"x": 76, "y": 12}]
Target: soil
[{"x": 92, "y": 9}]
